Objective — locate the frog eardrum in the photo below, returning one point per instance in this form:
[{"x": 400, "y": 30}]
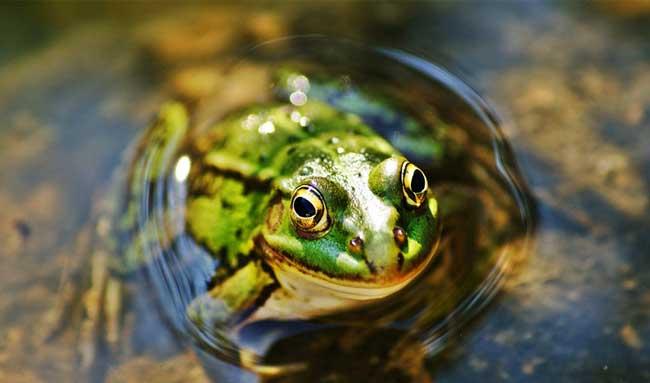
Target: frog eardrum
[{"x": 309, "y": 212}]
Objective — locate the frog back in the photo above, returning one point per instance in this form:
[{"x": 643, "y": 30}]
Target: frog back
[{"x": 258, "y": 143}]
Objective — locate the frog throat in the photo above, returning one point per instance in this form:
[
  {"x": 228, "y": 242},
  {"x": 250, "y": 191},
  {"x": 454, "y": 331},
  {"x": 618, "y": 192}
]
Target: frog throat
[{"x": 296, "y": 276}]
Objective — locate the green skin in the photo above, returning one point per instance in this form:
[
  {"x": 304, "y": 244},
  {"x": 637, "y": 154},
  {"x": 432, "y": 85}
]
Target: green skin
[{"x": 242, "y": 177}]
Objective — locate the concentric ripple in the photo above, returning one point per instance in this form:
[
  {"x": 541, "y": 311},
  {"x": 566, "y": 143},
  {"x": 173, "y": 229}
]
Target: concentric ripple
[{"x": 485, "y": 210}]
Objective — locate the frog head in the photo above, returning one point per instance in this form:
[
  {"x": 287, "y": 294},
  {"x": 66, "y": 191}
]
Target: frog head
[{"x": 355, "y": 222}]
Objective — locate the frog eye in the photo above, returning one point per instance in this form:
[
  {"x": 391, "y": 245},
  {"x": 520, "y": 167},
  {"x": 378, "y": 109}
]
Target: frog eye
[
  {"x": 308, "y": 211},
  {"x": 414, "y": 184}
]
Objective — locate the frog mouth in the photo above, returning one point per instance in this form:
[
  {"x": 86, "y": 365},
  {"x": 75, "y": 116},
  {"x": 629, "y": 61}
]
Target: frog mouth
[{"x": 300, "y": 278}]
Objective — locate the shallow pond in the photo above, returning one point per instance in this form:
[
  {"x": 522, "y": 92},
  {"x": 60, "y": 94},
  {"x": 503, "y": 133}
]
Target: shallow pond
[{"x": 79, "y": 83}]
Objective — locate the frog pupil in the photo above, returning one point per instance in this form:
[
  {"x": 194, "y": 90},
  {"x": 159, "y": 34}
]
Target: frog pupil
[
  {"x": 303, "y": 207},
  {"x": 417, "y": 181}
]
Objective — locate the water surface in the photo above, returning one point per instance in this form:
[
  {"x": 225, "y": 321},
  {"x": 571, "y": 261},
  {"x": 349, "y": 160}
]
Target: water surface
[{"x": 576, "y": 111}]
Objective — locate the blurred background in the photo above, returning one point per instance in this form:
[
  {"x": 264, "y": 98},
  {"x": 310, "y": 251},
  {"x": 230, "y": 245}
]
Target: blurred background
[{"x": 571, "y": 82}]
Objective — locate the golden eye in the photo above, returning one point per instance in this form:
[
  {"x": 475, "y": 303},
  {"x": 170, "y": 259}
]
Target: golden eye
[
  {"x": 414, "y": 184},
  {"x": 308, "y": 211}
]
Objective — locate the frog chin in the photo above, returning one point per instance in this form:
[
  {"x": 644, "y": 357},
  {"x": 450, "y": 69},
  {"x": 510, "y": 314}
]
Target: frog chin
[{"x": 301, "y": 280}]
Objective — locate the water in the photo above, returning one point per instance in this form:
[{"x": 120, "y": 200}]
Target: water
[
  {"x": 86, "y": 81},
  {"x": 430, "y": 115}
]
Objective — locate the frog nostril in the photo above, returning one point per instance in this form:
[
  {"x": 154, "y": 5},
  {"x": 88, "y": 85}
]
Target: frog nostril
[
  {"x": 400, "y": 236},
  {"x": 355, "y": 245}
]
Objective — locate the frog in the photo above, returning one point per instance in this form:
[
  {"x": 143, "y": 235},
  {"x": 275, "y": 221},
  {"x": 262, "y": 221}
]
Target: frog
[
  {"x": 347, "y": 218},
  {"x": 301, "y": 208}
]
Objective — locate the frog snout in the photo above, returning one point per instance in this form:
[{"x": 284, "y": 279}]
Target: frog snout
[
  {"x": 355, "y": 245},
  {"x": 381, "y": 250}
]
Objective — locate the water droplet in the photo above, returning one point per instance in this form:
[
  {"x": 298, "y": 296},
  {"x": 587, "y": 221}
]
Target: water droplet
[
  {"x": 305, "y": 171},
  {"x": 295, "y": 116},
  {"x": 299, "y": 83},
  {"x": 251, "y": 121},
  {"x": 298, "y": 98},
  {"x": 266, "y": 128}
]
